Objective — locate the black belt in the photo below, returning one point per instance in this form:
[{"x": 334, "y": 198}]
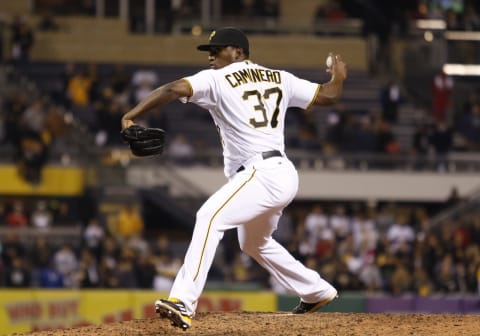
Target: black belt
[{"x": 265, "y": 155}]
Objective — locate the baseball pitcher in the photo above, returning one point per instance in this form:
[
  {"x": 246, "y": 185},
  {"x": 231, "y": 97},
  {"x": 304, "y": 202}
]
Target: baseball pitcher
[{"x": 247, "y": 102}]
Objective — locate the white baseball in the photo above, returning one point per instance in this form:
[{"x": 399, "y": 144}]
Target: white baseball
[{"x": 329, "y": 61}]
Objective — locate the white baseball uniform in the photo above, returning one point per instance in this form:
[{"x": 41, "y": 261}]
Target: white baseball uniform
[{"x": 248, "y": 103}]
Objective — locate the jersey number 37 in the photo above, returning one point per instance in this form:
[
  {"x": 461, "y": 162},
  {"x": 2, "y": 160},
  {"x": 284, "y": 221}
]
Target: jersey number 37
[{"x": 271, "y": 93}]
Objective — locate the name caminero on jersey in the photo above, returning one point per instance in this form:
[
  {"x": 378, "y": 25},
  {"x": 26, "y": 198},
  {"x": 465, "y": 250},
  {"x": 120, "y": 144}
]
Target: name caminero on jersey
[{"x": 250, "y": 75}]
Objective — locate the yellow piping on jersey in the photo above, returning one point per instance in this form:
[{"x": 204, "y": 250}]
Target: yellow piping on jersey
[
  {"x": 314, "y": 96},
  {"x": 213, "y": 217},
  {"x": 190, "y": 86}
]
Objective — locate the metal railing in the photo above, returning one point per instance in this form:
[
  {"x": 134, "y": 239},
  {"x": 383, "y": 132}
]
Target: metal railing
[
  {"x": 465, "y": 206},
  {"x": 453, "y": 162}
]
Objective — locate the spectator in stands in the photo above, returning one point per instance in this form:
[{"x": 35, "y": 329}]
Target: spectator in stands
[
  {"x": 129, "y": 222},
  {"x": 401, "y": 236},
  {"x": 33, "y": 156},
  {"x": 162, "y": 246},
  {"x": 423, "y": 227},
  {"x": 340, "y": 223},
  {"x": 385, "y": 139},
  {"x": 365, "y": 233},
  {"x": 307, "y": 138},
  {"x": 144, "y": 75},
  {"x": 136, "y": 18},
  {"x": 88, "y": 275},
  {"x": 390, "y": 97},
  {"x": 22, "y": 40},
  {"x": 96, "y": 82},
  {"x": 144, "y": 80},
  {"x": 33, "y": 118},
  {"x": 454, "y": 19},
  {"x": 472, "y": 267},
  {"x": 474, "y": 228},
  {"x": 108, "y": 262},
  {"x": 166, "y": 268},
  {"x": 360, "y": 262},
  {"x": 330, "y": 11},
  {"x": 345, "y": 279},
  {"x": 378, "y": 23},
  {"x": 401, "y": 280},
  {"x": 66, "y": 263},
  {"x": 12, "y": 247},
  {"x": 17, "y": 217},
  {"x": 145, "y": 269},
  {"x": 138, "y": 244},
  {"x": 62, "y": 213},
  {"x": 446, "y": 276},
  {"x": 442, "y": 87},
  {"x": 41, "y": 217},
  {"x": 18, "y": 274},
  {"x": 370, "y": 274},
  {"x": 64, "y": 94},
  {"x": 119, "y": 79},
  {"x": 57, "y": 127},
  {"x": 432, "y": 252},
  {"x": 93, "y": 236},
  {"x": 316, "y": 224},
  {"x": 442, "y": 141},
  {"x": 49, "y": 277},
  {"x": 181, "y": 150},
  {"x": 421, "y": 146},
  {"x": 109, "y": 114},
  {"x": 325, "y": 246},
  {"x": 422, "y": 285},
  {"x": 79, "y": 90},
  {"x": 468, "y": 127},
  {"x": 3, "y": 212},
  {"x": 337, "y": 125},
  {"x": 124, "y": 275},
  {"x": 386, "y": 263},
  {"x": 164, "y": 17},
  {"x": 15, "y": 105},
  {"x": 359, "y": 136},
  {"x": 40, "y": 256},
  {"x": 471, "y": 17},
  {"x": 241, "y": 269},
  {"x": 305, "y": 245}
]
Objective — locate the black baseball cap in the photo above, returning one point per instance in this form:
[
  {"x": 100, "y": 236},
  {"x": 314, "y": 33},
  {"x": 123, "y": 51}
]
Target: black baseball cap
[{"x": 225, "y": 37}]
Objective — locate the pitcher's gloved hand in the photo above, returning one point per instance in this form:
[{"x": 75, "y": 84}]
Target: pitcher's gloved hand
[{"x": 144, "y": 141}]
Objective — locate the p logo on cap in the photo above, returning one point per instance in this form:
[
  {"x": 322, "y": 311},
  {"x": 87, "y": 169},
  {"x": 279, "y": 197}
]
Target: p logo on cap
[{"x": 212, "y": 34}]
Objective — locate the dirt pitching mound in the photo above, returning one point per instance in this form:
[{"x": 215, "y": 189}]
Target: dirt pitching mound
[{"x": 286, "y": 324}]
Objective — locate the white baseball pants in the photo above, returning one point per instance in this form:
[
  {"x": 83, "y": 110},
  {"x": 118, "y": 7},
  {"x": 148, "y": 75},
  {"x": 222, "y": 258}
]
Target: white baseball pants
[{"x": 252, "y": 202}]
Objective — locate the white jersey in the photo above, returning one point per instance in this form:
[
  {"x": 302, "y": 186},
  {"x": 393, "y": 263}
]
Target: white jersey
[{"x": 248, "y": 103}]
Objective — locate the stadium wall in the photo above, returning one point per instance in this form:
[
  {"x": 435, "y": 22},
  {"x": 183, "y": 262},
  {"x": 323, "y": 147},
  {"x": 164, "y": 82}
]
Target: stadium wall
[
  {"x": 324, "y": 184},
  {"x": 314, "y": 184},
  {"x": 34, "y": 310},
  {"x": 56, "y": 180},
  {"x": 300, "y": 51}
]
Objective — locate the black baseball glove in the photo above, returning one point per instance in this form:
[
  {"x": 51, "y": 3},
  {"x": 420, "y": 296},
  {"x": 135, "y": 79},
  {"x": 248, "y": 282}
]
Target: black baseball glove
[{"x": 144, "y": 141}]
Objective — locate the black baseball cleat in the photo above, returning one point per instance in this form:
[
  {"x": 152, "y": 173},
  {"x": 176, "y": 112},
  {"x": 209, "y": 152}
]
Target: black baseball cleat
[
  {"x": 305, "y": 308},
  {"x": 175, "y": 311}
]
